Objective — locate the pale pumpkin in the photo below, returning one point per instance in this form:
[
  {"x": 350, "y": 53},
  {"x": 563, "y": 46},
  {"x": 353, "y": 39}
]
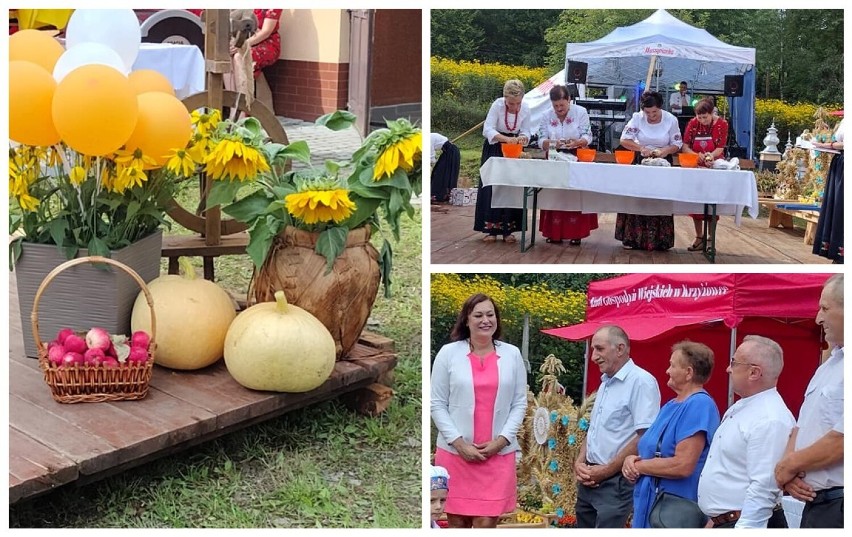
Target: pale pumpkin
[
  {"x": 279, "y": 347},
  {"x": 193, "y": 316}
]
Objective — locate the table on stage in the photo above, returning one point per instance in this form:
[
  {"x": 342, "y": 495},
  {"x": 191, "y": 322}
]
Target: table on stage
[
  {"x": 183, "y": 65},
  {"x": 617, "y": 188}
]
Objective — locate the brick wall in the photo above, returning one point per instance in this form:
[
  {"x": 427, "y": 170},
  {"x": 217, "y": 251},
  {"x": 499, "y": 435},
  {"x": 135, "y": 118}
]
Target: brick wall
[{"x": 306, "y": 89}]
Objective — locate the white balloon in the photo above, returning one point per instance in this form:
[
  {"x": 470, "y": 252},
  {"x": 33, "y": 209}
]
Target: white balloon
[
  {"x": 87, "y": 54},
  {"x": 118, "y": 29}
]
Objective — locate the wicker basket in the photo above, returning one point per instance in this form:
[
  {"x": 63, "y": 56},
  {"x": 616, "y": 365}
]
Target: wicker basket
[{"x": 95, "y": 384}]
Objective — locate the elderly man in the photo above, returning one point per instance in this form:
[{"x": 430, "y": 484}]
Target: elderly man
[
  {"x": 737, "y": 486},
  {"x": 625, "y": 406},
  {"x": 812, "y": 467}
]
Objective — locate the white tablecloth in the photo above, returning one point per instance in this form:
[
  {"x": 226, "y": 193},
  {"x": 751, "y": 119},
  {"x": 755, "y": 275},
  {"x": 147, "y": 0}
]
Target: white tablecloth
[
  {"x": 608, "y": 188},
  {"x": 183, "y": 65}
]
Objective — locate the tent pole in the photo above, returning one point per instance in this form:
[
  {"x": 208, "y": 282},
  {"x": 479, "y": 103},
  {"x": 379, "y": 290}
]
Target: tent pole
[
  {"x": 650, "y": 72},
  {"x": 733, "y": 350}
]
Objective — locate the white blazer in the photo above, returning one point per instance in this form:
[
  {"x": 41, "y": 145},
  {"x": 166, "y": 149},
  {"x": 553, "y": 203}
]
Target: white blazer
[{"x": 453, "y": 399}]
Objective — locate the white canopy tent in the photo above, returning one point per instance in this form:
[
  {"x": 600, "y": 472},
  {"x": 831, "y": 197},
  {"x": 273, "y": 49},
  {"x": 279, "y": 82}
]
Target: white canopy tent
[{"x": 678, "y": 52}]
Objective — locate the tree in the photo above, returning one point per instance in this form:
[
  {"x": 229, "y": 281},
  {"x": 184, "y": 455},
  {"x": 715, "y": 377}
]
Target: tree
[
  {"x": 515, "y": 36},
  {"x": 456, "y": 34}
]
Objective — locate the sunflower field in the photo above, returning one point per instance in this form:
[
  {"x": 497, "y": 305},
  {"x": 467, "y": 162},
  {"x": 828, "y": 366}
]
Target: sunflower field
[{"x": 546, "y": 306}]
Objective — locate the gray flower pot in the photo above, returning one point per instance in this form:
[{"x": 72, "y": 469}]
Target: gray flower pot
[{"x": 84, "y": 296}]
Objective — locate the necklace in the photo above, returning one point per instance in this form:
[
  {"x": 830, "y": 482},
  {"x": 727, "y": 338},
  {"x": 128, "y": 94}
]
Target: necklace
[{"x": 513, "y": 126}]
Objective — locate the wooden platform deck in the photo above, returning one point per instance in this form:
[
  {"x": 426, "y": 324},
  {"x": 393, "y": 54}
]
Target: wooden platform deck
[
  {"x": 52, "y": 444},
  {"x": 453, "y": 241}
]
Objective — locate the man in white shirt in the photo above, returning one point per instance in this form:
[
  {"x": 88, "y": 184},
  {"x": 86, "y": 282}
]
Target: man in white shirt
[
  {"x": 812, "y": 467},
  {"x": 737, "y": 486},
  {"x": 680, "y": 99},
  {"x": 625, "y": 406}
]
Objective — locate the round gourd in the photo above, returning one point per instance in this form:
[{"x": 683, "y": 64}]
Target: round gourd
[
  {"x": 279, "y": 347},
  {"x": 193, "y": 316}
]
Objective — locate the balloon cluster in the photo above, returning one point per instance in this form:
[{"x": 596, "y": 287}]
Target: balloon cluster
[{"x": 85, "y": 94}]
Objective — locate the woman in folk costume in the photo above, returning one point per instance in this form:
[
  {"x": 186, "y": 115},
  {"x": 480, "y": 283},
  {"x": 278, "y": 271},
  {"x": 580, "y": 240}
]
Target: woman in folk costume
[{"x": 508, "y": 121}]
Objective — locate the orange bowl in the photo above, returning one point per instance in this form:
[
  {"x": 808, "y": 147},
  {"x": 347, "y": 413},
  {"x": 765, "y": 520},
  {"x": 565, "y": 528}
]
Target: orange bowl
[
  {"x": 586, "y": 155},
  {"x": 623, "y": 156},
  {"x": 687, "y": 160},
  {"x": 511, "y": 150}
]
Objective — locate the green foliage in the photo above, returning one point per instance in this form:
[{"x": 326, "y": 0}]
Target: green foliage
[{"x": 492, "y": 35}]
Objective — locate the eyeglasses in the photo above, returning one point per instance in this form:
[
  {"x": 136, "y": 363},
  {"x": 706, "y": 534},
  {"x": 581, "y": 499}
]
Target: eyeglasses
[{"x": 734, "y": 362}]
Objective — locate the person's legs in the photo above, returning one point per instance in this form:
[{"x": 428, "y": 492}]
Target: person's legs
[
  {"x": 485, "y": 521},
  {"x": 614, "y": 502},
  {"x": 585, "y": 512},
  {"x": 459, "y": 521}
]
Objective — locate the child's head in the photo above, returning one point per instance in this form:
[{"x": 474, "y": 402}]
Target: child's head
[{"x": 439, "y": 487}]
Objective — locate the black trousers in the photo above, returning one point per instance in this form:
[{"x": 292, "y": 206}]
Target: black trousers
[{"x": 823, "y": 515}]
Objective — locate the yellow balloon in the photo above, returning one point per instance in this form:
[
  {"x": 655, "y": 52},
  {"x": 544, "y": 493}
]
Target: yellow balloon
[
  {"x": 31, "y": 90},
  {"x": 35, "y": 46},
  {"x": 145, "y": 80},
  {"x": 164, "y": 124},
  {"x": 95, "y": 109}
]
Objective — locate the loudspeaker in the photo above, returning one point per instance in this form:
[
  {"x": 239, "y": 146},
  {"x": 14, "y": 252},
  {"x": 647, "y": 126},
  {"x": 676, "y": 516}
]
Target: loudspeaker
[
  {"x": 576, "y": 72},
  {"x": 734, "y": 85}
]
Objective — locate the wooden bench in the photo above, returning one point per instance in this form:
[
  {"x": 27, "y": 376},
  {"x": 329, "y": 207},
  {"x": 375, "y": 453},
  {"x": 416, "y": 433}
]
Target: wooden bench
[
  {"x": 175, "y": 246},
  {"x": 783, "y": 217}
]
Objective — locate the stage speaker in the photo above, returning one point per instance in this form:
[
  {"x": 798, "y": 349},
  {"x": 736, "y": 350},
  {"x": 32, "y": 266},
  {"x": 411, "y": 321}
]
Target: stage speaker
[
  {"x": 576, "y": 72},
  {"x": 734, "y": 85}
]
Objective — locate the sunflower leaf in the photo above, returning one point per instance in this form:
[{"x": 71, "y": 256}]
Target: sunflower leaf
[
  {"x": 330, "y": 244},
  {"x": 249, "y": 208},
  {"x": 260, "y": 239},
  {"x": 223, "y": 193},
  {"x": 337, "y": 121}
]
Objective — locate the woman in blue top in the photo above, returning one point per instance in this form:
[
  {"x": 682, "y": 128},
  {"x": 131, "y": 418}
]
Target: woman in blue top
[{"x": 686, "y": 425}]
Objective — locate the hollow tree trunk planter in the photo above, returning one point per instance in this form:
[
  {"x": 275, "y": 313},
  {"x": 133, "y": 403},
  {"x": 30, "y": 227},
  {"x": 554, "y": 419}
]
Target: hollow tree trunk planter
[
  {"x": 84, "y": 296},
  {"x": 341, "y": 299}
]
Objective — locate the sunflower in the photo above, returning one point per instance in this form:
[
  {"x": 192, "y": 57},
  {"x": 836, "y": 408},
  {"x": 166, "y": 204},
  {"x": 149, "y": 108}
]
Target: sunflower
[
  {"x": 231, "y": 158},
  {"x": 181, "y": 163},
  {"x": 398, "y": 146},
  {"x": 320, "y": 200},
  {"x": 206, "y": 122}
]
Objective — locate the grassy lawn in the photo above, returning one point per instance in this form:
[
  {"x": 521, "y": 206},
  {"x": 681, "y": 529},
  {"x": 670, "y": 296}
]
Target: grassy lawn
[{"x": 322, "y": 466}]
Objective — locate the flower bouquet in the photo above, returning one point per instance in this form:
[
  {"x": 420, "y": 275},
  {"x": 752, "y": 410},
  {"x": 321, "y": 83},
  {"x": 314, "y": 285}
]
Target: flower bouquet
[
  {"x": 91, "y": 166},
  {"x": 309, "y": 229}
]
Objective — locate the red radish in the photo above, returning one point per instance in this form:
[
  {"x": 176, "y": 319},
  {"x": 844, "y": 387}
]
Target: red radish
[
  {"x": 110, "y": 362},
  {"x": 140, "y": 338},
  {"x": 98, "y": 338},
  {"x": 138, "y": 354},
  {"x": 111, "y": 350},
  {"x": 55, "y": 354},
  {"x": 53, "y": 343},
  {"x": 75, "y": 343},
  {"x": 94, "y": 356},
  {"x": 63, "y": 335},
  {"x": 72, "y": 358}
]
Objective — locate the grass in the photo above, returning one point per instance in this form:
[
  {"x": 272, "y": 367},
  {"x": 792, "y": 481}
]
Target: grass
[{"x": 321, "y": 466}]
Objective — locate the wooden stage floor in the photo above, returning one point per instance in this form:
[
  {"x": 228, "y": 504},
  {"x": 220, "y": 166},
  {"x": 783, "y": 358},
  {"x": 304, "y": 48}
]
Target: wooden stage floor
[
  {"x": 53, "y": 444},
  {"x": 453, "y": 241}
]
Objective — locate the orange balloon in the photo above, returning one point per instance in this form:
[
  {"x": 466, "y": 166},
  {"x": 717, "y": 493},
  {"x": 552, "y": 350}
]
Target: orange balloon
[
  {"x": 31, "y": 90},
  {"x": 35, "y": 46},
  {"x": 164, "y": 124},
  {"x": 95, "y": 109},
  {"x": 145, "y": 80}
]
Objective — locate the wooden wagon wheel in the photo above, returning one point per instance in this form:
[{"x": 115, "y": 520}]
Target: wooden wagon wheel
[{"x": 197, "y": 221}]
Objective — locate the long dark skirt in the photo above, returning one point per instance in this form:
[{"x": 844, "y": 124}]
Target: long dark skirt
[
  {"x": 645, "y": 232},
  {"x": 829, "y": 234},
  {"x": 445, "y": 174},
  {"x": 494, "y": 221}
]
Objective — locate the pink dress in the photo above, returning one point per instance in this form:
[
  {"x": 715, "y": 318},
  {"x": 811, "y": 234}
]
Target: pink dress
[{"x": 481, "y": 488}]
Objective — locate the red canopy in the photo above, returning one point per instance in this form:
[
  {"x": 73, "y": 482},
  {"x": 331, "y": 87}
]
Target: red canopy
[
  {"x": 648, "y": 305},
  {"x": 657, "y": 310}
]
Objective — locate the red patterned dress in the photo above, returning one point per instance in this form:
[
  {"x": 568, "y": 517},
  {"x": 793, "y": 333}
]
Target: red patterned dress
[
  {"x": 705, "y": 139},
  {"x": 267, "y": 51}
]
